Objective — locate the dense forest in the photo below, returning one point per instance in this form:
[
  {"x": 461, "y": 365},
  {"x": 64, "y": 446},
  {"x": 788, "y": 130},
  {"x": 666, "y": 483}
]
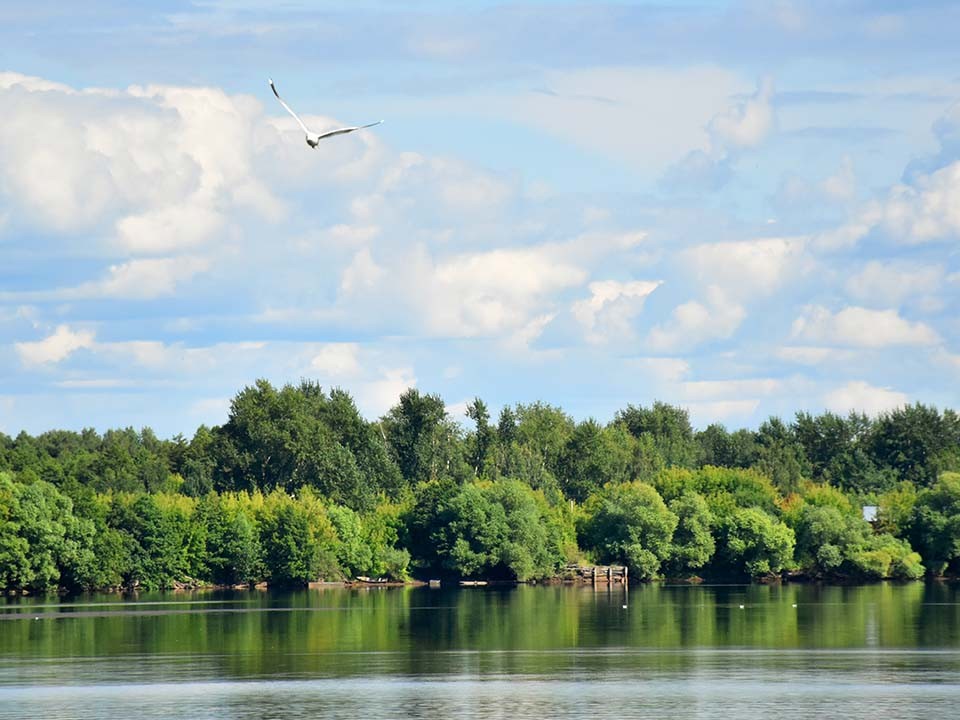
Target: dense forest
[{"x": 298, "y": 486}]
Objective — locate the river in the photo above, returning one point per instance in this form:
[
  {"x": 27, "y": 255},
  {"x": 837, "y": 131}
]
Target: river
[{"x": 659, "y": 651}]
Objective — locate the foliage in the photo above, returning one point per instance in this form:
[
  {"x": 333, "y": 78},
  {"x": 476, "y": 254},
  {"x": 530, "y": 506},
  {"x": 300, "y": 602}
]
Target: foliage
[
  {"x": 297, "y": 486},
  {"x": 629, "y": 523},
  {"x": 754, "y": 543},
  {"x": 934, "y": 525},
  {"x": 666, "y": 427},
  {"x": 501, "y": 529},
  {"x": 693, "y": 544}
]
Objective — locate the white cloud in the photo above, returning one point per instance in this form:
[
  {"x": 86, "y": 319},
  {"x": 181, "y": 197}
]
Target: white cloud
[
  {"x": 169, "y": 228},
  {"x": 353, "y": 235},
  {"x": 851, "y": 232},
  {"x": 488, "y": 293},
  {"x": 860, "y": 327},
  {"x": 520, "y": 339},
  {"x": 361, "y": 274},
  {"x": 609, "y": 311},
  {"x": 458, "y": 411},
  {"x": 337, "y": 360},
  {"x": 889, "y": 284},
  {"x": 141, "y": 279},
  {"x": 712, "y": 400},
  {"x": 694, "y": 323},
  {"x": 54, "y": 348},
  {"x": 860, "y": 396},
  {"x": 747, "y": 124},
  {"x": 377, "y": 396},
  {"x": 842, "y": 186},
  {"x": 813, "y": 355},
  {"x": 165, "y": 167},
  {"x": 210, "y": 411},
  {"x": 924, "y": 208},
  {"x": 927, "y": 210},
  {"x": 647, "y": 116},
  {"x": 663, "y": 369},
  {"x": 149, "y": 278},
  {"x": 731, "y": 131},
  {"x": 432, "y": 188},
  {"x": 747, "y": 268},
  {"x": 95, "y": 383},
  {"x": 705, "y": 412},
  {"x": 805, "y": 198}
]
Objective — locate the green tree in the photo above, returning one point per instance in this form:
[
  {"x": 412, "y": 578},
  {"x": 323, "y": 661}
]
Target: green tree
[
  {"x": 501, "y": 529},
  {"x": 755, "y": 544},
  {"x": 780, "y": 456},
  {"x": 592, "y": 457},
  {"x": 917, "y": 441},
  {"x": 693, "y": 544},
  {"x": 424, "y": 441},
  {"x": 934, "y": 526},
  {"x": 629, "y": 523},
  {"x": 667, "y": 427},
  {"x": 482, "y": 438}
]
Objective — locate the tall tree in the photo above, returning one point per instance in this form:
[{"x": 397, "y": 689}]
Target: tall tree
[
  {"x": 424, "y": 441},
  {"x": 667, "y": 427}
]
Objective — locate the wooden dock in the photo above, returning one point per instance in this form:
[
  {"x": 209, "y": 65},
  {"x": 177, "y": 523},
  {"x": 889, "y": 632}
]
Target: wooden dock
[{"x": 596, "y": 574}]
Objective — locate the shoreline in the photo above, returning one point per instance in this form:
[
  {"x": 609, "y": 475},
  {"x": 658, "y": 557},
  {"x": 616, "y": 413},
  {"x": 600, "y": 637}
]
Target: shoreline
[{"x": 481, "y": 583}]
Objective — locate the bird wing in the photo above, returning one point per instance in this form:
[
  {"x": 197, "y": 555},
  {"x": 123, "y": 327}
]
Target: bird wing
[
  {"x": 345, "y": 130},
  {"x": 287, "y": 108}
]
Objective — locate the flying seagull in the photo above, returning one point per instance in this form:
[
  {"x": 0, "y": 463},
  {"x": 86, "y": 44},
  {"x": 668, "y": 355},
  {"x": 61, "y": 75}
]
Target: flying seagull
[{"x": 313, "y": 139}]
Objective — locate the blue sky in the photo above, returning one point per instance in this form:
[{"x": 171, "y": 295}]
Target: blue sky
[{"x": 744, "y": 208}]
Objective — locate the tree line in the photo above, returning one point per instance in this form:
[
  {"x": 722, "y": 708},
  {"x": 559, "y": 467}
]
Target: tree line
[{"x": 297, "y": 485}]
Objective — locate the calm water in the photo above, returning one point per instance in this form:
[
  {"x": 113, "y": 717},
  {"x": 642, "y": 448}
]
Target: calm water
[{"x": 881, "y": 651}]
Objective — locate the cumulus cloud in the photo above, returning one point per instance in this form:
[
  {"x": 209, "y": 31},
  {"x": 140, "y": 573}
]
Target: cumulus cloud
[
  {"x": 663, "y": 369},
  {"x": 860, "y": 327},
  {"x": 795, "y": 194},
  {"x": 862, "y": 397},
  {"x": 727, "y": 389},
  {"x": 361, "y": 274},
  {"x": 649, "y": 116},
  {"x": 155, "y": 169},
  {"x": 337, "y": 360},
  {"x": 712, "y": 400},
  {"x": 813, "y": 355},
  {"x": 926, "y": 211},
  {"x": 748, "y": 268},
  {"x": 735, "y": 129},
  {"x": 503, "y": 293},
  {"x": 924, "y": 207},
  {"x": 706, "y": 412},
  {"x": 747, "y": 124},
  {"x": 489, "y": 292},
  {"x": 889, "y": 284},
  {"x": 609, "y": 311},
  {"x": 376, "y": 397},
  {"x": 694, "y": 323},
  {"x": 54, "y": 348}
]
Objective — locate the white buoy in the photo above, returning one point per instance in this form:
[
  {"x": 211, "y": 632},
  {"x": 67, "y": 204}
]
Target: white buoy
[
  {"x": 741, "y": 607},
  {"x": 794, "y": 604},
  {"x": 624, "y": 607}
]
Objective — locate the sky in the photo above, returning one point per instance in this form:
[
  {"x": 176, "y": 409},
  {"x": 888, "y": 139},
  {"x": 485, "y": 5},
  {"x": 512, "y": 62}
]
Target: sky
[{"x": 742, "y": 208}]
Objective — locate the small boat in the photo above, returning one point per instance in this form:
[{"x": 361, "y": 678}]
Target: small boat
[
  {"x": 371, "y": 581},
  {"x": 472, "y": 583}
]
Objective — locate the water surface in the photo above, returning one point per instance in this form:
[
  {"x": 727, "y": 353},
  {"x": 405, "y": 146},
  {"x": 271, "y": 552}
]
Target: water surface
[{"x": 795, "y": 651}]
